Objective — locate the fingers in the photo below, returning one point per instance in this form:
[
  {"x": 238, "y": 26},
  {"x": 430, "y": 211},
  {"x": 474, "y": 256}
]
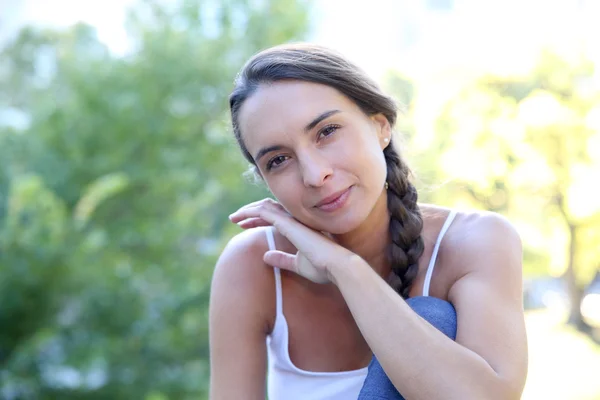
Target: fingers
[
  {"x": 268, "y": 212},
  {"x": 252, "y": 213},
  {"x": 252, "y": 210},
  {"x": 266, "y": 202},
  {"x": 253, "y": 223},
  {"x": 280, "y": 259}
]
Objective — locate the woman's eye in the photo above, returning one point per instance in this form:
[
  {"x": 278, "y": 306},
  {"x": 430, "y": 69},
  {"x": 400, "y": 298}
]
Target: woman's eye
[
  {"x": 328, "y": 130},
  {"x": 275, "y": 161}
]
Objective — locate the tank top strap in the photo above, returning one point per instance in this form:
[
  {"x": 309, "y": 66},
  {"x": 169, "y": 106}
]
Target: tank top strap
[
  {"x": 277, "y": 272},
  {"x": 436, "y": 249}
]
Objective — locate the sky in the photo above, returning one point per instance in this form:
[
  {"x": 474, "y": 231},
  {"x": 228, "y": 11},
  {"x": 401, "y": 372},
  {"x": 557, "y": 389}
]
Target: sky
[
  {"x": 501, "y": 37},
  {"x": 439, "y": 51}
]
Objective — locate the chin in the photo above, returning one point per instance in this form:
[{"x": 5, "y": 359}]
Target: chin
[{"x": 338, "y": 225}]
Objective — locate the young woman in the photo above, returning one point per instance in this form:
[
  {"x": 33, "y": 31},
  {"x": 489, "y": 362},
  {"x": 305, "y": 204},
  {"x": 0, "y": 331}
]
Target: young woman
[{"x": 315, "y": 296}]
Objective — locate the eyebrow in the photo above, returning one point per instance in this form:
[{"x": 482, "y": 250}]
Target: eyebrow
[
  {"x": 266, "y": 150},
  {"x": 320, "y": 118},
  {"x": 307, "y": 128}
]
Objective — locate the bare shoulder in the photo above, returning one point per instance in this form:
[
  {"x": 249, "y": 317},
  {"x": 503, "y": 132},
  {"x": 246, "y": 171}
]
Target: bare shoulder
[
  {"x": 484, "y": 243},
  {"x": 477, "y": 232},
  {"x": 243, "y": 254},
  {"x": 476, "y": 223},
  {"x": 241, "y": 278}
]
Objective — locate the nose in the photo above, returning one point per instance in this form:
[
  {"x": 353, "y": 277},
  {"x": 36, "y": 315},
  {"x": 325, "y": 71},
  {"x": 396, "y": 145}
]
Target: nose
[{"x": 316, "y": 169}]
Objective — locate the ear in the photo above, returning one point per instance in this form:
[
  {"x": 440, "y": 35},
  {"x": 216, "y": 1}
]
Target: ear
[{"x": 384, "y": 130}]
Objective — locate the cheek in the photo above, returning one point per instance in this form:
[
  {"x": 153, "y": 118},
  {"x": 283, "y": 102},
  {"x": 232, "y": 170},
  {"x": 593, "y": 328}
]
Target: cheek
[
  {"x": 368, "y": 161},
  {"x": 375, "y": 174},
  {"x": 372, "y": 175},
  {"x": 286, "y": 192}
]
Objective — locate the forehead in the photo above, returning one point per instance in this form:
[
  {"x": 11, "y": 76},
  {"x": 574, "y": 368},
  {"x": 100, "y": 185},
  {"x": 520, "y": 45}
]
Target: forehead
[{"x": 286, "y": 107}]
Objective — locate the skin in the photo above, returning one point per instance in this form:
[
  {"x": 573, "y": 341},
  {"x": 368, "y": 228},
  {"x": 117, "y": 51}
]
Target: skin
[{"x": 339, "y": 325}]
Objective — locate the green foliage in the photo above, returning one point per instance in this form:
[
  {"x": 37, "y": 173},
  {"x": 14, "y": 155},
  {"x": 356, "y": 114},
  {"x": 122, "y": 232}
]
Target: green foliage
[
  {"x": 526, "y": 146},
  {"x": 113, "y": 197}
]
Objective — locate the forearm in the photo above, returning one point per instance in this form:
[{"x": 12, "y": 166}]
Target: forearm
[{"x": 419, "y": 360}]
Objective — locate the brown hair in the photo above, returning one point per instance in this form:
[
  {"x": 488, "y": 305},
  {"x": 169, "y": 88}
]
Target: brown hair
[{"x": 312, "y": 63}]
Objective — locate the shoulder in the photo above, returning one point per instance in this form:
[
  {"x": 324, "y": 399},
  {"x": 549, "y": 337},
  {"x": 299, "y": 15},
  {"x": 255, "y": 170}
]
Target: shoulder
[
  {"x": 248, "y": 245},
  {"x": 486, "y": 245},
  {"x": 482, "y": 232},
  {"x": 241, "y": 279},
  {"x": 472, "y": 231}
]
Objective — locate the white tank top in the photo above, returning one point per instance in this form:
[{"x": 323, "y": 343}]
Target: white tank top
[{"x": 285, "y": 381}]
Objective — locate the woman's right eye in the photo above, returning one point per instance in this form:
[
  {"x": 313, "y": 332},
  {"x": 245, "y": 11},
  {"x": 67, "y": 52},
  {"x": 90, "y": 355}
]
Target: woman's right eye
[{"x": 276, "y": 161}]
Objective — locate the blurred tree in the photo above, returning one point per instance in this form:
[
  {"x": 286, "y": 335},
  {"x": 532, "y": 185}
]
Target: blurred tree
[
  {"x": 529, "y": 147},
  {"x": 114, "y": 189}
]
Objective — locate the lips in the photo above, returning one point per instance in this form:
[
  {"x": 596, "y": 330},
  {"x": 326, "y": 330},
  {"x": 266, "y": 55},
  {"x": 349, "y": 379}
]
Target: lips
[{"x": 331, "y": 198}]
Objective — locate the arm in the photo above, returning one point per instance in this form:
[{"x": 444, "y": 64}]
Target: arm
[
  {"x": 488, "y": 359},
  {"x": 241, "y": 297}
]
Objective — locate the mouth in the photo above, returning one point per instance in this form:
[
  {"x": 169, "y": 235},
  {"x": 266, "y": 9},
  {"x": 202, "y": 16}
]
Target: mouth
[{"x": 334, "y": 201}]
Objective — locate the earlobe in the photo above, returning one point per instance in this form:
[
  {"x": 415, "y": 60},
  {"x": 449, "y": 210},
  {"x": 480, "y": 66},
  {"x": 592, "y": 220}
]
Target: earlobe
[
  {"x": 384, "y": 131},
  {"x": 385, "y": 143}
]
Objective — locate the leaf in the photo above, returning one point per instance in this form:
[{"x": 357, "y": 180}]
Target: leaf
[{"x": 97, "y": 192}]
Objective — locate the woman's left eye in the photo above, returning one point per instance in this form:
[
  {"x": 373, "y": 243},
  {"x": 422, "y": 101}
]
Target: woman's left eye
[{"x": 328, "y": 130}]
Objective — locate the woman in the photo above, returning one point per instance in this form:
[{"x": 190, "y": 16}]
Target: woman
[{"x": 318, "y": 291}]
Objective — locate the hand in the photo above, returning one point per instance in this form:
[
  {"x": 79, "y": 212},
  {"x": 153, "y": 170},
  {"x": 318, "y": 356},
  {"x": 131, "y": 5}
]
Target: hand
[{"x": 317, "y": 253}]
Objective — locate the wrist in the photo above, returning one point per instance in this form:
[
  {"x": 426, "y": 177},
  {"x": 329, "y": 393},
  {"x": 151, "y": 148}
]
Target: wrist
[{"x": 350, "y": 266}]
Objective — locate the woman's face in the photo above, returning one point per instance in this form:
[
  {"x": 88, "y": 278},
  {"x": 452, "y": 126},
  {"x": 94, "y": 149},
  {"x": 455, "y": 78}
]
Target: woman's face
[{"x": 320, "y": 155}]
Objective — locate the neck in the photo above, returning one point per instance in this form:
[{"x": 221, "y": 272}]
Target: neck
[{"x": 370, "y": 239}]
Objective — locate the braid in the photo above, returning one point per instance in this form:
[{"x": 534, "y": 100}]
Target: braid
[{"x": 406, "y": 223}]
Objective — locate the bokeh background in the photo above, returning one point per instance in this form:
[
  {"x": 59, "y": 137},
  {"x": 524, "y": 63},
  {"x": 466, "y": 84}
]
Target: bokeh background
[{"x": 118, "y": 170}]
